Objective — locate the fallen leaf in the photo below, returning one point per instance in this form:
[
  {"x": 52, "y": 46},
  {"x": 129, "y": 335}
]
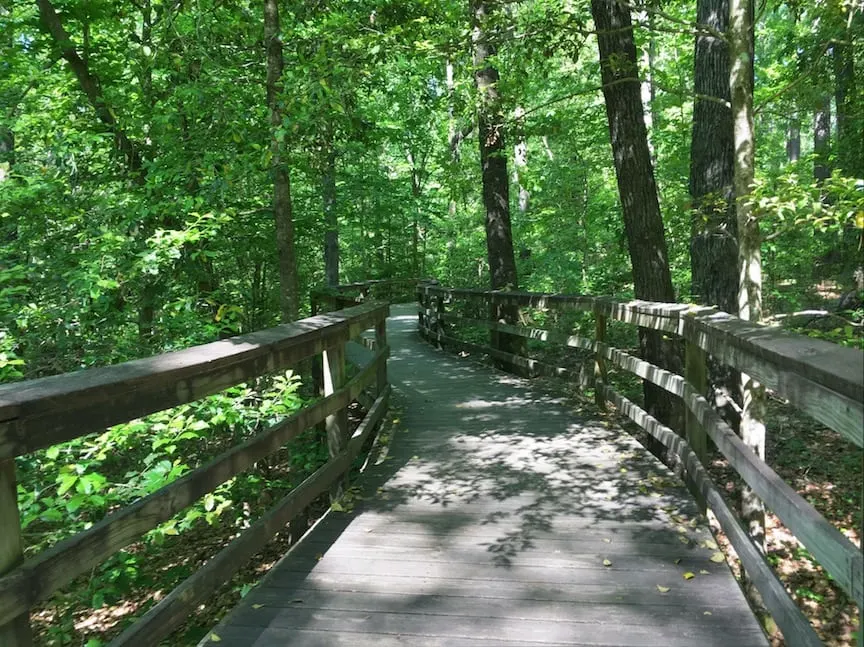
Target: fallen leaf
[
  {"x": 663, "y": 589},
  {"x": 683, "y": 539},
  {"x": 704, "y": 572},
  {"x": 709, "y": 543},
  {"x": 606, "y": 540},
  {"x": 718, "y": 558},
  {"x": 606, "y": 562},
  {"x": 707, "y": 613},
  {"x": 678, "y": 561},
  {"x": 257, "y": 606},
  {"x": 215, "y": 638},
  {"x": 688, "y": 575}
]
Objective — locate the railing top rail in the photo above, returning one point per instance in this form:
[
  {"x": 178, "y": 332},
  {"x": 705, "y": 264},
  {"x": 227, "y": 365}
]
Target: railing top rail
[
  {"x": 42, "y": 412},
  {"x": 835, "y": 367}
]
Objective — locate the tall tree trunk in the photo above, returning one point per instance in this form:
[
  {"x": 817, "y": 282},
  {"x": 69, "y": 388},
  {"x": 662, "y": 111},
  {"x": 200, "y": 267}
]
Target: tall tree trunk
[
  {"x": 845, "y": 92},
  {"x": 643, "y": 222},
  {"x": 822, "y": 140},
  {"x": 331, "y": 221},
  {"x": 749, "y": 245},
  {"x": 714, "y": 230},
  {"x": 282, "y": 206},
  {"x": 520, "y": 161},
  {"x": 7, "y": 152},
  {"x": 496, "y": 181},
  {"x": 793, "y": 139}
]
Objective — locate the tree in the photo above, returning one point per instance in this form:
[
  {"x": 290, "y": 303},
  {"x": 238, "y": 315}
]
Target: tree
[
  {"x": 282, "y": 206},
  {"x": 493, "y": 162},
  {"x": 714, "y": 229},
  {"x": 652, "y": 279},
  {"x": 752, "y": 426}
]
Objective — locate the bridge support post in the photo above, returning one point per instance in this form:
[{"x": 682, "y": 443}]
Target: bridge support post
[
  {"x": 695, "y": 372},
  {"x": 336, "y": 424},
  {"x": 599, "y": 360},
  {"x": 16, "y": 633},
  {"x": 381, "y": 342}
]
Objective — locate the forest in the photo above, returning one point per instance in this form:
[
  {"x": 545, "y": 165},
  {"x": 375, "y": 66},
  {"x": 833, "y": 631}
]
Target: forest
[{"x": 173, "y": 173}]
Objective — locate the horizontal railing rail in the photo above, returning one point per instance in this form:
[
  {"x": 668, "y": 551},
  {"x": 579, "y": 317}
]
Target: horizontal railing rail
[
  {"x": 824, "y": 380},
  {"x": 348, "y": 294},
  {"x": 41, "y": 413}
]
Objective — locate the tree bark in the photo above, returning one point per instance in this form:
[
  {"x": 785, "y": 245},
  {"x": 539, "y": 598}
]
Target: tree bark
[
  {"x": 714, "y": 230},
  {"x": 496, "y": 181},
  {"x": 752, "y": 427},
  {"x": 643, "y": 223},
  {"x": 282, "y": 205},
  {"x": 848, "y": 152},
  {"x": 793, "y": 139},
  {"x": 331, "y": 221},
  {"x": 822, "y": 140}
]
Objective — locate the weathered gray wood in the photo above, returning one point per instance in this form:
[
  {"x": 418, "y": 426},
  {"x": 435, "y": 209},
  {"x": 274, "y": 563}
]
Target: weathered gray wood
[
  {"x": 795, "y": 627},
  {"x": 823, "y": 379},
  {"x": 172, "y": 610},
  {"x": 381, "y": 342},
  {"x": 15, "y": 629},
  {"x": 600, "y": 375},
  {"x": 696, "y": 374},
  {"x": 834, "y": 551},
  {"x": 531, "y": 367},
  {"x": 495, "y": 488},
  {"x": 59, "y": 408},
  {"x": 40, "y": 576},
  {"x": 336, "y": 424}
]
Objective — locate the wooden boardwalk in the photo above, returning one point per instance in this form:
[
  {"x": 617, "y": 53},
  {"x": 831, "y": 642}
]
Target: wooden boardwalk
[{"x": 501, "y": 517}]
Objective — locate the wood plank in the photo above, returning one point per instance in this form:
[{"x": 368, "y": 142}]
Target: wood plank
[
  {"x": 834, "y": 551},
  {"x": 15, "y": 628},
  {"x": 40, "y": 576},
  {"x": 563, "y": 630},
  {"x": 59, "y": 408},
  {"x": 795, "y": 627},
  {"x": 160, "y": 621},
  {"x": 489, "y": 526}
]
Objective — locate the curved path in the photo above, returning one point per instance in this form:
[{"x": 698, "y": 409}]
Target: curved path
[{"x": 501, "y": 516}]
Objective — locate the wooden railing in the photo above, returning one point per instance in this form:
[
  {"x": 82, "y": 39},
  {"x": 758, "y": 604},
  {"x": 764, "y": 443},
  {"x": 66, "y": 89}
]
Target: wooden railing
[
  {"x": 348, "y": 294},
  {"x": 824, "y": 380},
  {"x": 41, "y": 413}
]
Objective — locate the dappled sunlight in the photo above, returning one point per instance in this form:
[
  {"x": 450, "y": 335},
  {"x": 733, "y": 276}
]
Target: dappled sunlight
[{"x": 502, "y": 511}]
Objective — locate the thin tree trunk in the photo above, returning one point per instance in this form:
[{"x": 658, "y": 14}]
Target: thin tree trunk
[
  {"x": 7, "y": 152},
  {"x": 793, "y": 139},
  {"x": 496, "y": 181},
  {"x": 520, "y": 162},
  {"x": 89, "y": 83},
  {"x": 822, "y": 140},
  {"x": 714, "y": 229},
  {"x": 282, "y": 206},
  {"x": 331, "y": 221},
  {"x": 749, "y": 245},
  {"x": 643, "y": 222},
  {"x": 845, "y": 92}
]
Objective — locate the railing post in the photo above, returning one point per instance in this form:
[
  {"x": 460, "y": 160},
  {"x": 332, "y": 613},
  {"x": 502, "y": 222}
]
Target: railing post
[
  {"x": 421, "y": 309},
  {"x": 381, "y": 342},
  {"x": 336, "y": 424},
  {"x": 599, "y": 360},
  {"x": 16, "y": 633},
  {"x": 695, "y": 372}
]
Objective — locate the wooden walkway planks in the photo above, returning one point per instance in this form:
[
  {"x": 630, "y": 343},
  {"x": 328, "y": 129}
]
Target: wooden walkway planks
[{"x": 489, "y": 525}]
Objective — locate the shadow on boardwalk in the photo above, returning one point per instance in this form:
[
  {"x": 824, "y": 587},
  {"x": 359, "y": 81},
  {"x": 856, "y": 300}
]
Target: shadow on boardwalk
[{"x": 501, "y": 516}]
